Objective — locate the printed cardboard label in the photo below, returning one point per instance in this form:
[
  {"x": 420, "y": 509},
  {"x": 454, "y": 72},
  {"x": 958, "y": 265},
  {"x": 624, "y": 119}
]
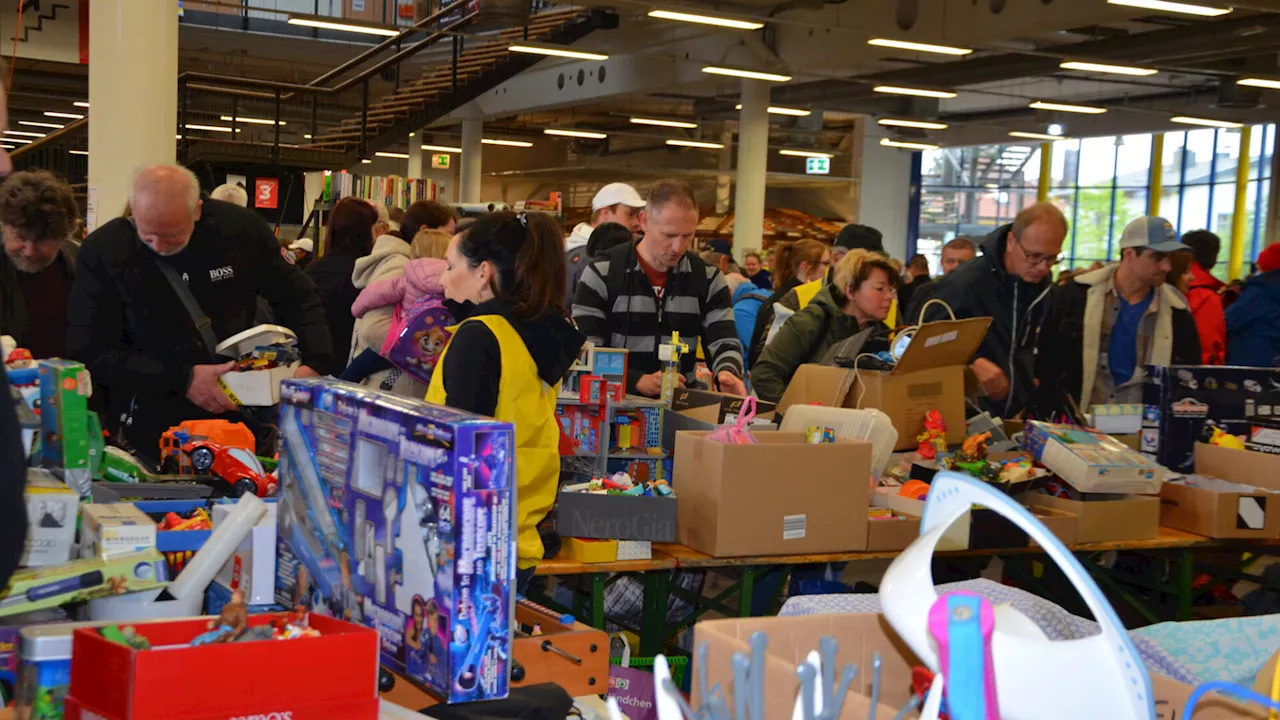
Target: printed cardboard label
[{"x": 794, "y": 527}]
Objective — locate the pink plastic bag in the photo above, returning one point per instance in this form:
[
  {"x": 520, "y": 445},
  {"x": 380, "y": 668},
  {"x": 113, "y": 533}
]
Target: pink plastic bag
[{"x": 737, "y": 434}]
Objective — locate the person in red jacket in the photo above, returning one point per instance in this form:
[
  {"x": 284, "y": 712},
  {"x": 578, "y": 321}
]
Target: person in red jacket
[{"x": 1204, "y": 299}]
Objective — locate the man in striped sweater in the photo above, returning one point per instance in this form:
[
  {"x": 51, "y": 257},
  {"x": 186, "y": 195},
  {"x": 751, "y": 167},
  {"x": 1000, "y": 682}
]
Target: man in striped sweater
[{"x": 639, "y": 293}]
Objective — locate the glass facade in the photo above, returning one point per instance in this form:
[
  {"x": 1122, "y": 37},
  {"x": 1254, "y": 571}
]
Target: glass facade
[{"x": 1100, "y": 184}]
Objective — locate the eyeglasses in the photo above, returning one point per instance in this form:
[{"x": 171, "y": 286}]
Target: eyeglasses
[{"x": 1035, "y": 258}]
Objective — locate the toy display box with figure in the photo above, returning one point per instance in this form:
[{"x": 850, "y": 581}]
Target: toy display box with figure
[
  {"x": 399, "y": 514},
  {"x": 1180, "y": 399},
  {"x": 68, "y": 440}
]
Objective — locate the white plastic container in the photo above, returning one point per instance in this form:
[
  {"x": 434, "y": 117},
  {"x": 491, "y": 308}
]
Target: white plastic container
[
  {"x": 871, "y": 425},
  {"x": 257, "y": 388}
]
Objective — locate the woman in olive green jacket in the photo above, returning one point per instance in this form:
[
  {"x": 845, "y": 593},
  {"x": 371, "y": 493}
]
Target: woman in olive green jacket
[{"x": 858, "y": 300}]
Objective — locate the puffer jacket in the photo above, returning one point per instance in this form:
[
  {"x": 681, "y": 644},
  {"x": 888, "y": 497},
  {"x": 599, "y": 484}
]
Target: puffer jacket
[
  {"x": 1253, "y": 323},
  {"x": 387, "y": 261},
  {"x": 419, "y": 279}
]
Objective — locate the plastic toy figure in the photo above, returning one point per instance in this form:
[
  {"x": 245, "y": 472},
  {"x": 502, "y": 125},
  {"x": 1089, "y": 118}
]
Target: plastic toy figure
[
  {"x": 1222, "y": 438},
  {"x": 237, "y": 466},
  {"x": 934, "y": 438},
  {"x": 229, "y": 626},
  {"x": 1016, "y": 471},
  {"x": 974, "y": 447}
]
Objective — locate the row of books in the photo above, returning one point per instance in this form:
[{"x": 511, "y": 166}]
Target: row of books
[{"x": 390, "y": 190}]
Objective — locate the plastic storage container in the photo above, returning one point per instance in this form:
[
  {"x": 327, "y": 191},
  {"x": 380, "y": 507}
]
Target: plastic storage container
[{"x": 872, "y": 426}]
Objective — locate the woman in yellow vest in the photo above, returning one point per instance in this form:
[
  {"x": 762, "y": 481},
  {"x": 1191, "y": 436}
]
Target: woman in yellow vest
[{"x": 511, "y": 348}]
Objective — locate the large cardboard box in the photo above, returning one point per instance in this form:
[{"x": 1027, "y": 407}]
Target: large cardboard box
[
  {"x": 1244, "y": 466},
  {"x": 1179, "y": 400},
  {"x": 1134, "y": 517},
  {"x": 1228, "y": 502},
  {"x": 978, "y": 529},
  {"x": 930, "y": 376},
  {"x": 781, "y": 496}
]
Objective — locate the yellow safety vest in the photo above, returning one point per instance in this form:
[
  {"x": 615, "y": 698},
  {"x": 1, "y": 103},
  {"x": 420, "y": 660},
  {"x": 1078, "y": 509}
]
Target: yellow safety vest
[
  {"x": 807, "y": 291},
  {"x": 525, "y": 401}
]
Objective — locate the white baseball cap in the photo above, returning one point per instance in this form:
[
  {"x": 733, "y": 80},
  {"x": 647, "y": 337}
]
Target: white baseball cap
[
  {"x": 617, "y": 194},
  {"x": 305, "y": 244}
]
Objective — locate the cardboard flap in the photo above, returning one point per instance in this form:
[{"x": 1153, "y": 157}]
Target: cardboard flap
[
  {"x": 820, "y": 384},
  {"x": 713, "y": 407},
  {"x": 945, "y": 343},
  {"x": 1248, "y": 467}
]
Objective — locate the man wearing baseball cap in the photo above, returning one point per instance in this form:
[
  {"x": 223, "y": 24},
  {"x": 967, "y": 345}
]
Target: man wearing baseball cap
[
  {"x": 615, "y": 203},
  {"x": 1104, "y": 327},
  {"x": 301, "y": 251}
]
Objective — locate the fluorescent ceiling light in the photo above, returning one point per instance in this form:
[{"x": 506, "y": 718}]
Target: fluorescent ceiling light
[
  {"x": 79, "y": 152},
  {"x": 777, "y": 110},
  {"x": 908, "y": 145},
  {"x": 507, "y": 143},
  {"x": 307, "y": 136},
  {"x": 347, "y": 27},
  {"x": 366, "y": 161},
  {"x": 1106, "y": 68},
  {"x": 921, "y": 124},
  {"x": 252, "y": 121},
  {"x": 696, "y": 144},
  {"x": 895, "y": 90},
  {"x": 706, "y": 20},
  {"x": 23, "y": 132},
  {"x": 749, "y": 74},
  {"x": 441, "y": 148},
  {"x": 1259, "y": 82},
  {"x": 556, "y": 51},
  {"x": 1067, "y": 107},
  {"x": 209, "y": 128},
  {"x": 1176, "y": 7},
  {"x": 659, "y": 122},
  {"x": 69, "y": 116},
  {"x": 1205, "y": 122},
  {"x": 805, "y": 154},
  {"x": 9, "y": 147},
  {"x": 79, "y": 103},
  {"x": 919, "y": 47},
  {"x": 398, "y": 156},
  {"x": 20, "y": 141},
  {"x": 1035, "y": 136},
  {"x": 576, "y": 133},
  {"x": 32, "y": 123}
]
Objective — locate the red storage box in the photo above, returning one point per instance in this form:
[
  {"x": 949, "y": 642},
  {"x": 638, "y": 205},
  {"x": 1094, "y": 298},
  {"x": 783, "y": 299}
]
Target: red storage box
[{"x": 332, "y": 677}]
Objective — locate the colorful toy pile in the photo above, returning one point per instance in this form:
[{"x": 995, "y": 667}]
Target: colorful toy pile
[
  {"x": 623, "y": 484},
  {"x": 266, "y": 357}
]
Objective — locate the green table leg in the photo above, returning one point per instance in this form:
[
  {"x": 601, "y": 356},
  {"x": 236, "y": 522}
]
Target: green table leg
[
  {"x": 746, "y": 591},
  {"x": 653, "y": 628},
  {"x": 597, "y": 601}
]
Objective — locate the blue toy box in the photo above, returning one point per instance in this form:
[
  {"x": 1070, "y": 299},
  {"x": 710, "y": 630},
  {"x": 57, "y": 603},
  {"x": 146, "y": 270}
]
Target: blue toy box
[{"x": 399, "y": 514}]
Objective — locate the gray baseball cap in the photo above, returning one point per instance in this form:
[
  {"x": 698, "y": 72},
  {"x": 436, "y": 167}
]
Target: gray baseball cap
[{"x": 1153, "y": 233}]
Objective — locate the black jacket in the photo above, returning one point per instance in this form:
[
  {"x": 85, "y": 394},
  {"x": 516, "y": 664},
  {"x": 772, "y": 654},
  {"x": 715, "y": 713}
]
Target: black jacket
[
  {"x": 332, "y": 276},
  {"x": 13, "y": 482},
  {"x": 128, "y": 326},
  {"x": 13, "y": 306},
  {"x": 983, "y": 288},
  {"x": 764, "y": 319}
]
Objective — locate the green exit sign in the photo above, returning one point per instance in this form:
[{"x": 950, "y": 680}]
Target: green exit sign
[
  {"x": 817, "y": 166},
  {"x": 440, "y": 162}
]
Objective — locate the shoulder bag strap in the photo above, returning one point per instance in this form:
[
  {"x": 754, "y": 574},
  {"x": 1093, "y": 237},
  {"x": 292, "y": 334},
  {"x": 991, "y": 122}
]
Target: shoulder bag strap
[{"x": 203, "y": 324}]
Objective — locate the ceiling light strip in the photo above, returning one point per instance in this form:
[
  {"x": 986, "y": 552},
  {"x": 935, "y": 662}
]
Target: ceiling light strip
[
  {"x": 917, "y": 92},
  {"x": 920, "y": 124},
  {"x": 919, "y": 47},
  {"x": 907, "y": 145},
  {"x": 748, "y": 74},
  {"x": 696, "y": 144},
  {"x": 1067, "y": 107},
  {"x": 1174, "y": 7},
  {"x": 706, "y": 20},
  {"x": 1108, "y": 68},
  {"x": 556, "y": 51}
]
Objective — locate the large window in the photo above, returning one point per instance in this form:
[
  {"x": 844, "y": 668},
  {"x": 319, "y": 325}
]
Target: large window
[{"x": 1100, "y": 184}]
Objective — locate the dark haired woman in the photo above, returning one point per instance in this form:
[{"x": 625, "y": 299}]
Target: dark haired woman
[
  {"x": 513, "y": 345},
  {"x": 347, "y": 238}
]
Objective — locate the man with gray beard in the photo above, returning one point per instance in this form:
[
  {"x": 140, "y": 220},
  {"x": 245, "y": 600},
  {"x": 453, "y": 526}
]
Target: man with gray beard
[{"x": 37, "y": 216}]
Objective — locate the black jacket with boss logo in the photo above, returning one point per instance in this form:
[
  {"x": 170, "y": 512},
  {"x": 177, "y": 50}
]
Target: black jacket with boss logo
[{"x": 126, "y": 323}]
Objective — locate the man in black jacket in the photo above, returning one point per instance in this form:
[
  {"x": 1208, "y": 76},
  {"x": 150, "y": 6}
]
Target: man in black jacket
[
  {"x": 1007, "y": 284},
  {"x": 1103, "y": 327},
  {"x": 127, "y": 322}
]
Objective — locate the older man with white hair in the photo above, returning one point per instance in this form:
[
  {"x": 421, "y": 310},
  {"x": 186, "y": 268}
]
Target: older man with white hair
[{"x": 155, "y": 292}]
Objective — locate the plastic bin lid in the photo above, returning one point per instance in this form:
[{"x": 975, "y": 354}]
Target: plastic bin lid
[{"x": 254, "y": 337}]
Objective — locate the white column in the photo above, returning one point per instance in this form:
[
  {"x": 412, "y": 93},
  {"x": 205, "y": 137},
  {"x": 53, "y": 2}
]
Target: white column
[
  {"x": 885, "y": 203},
  {"x": 415, "y": 156},
  {"x": 469, "y": 170},
  {"x": 753, "y": 161},
  {"x": 133, "y": 93},
  {"x": 724, "y": 183}
]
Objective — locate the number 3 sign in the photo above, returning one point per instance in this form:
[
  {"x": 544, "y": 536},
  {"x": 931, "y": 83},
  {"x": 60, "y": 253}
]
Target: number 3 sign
[{"x": 266, "y": 193}]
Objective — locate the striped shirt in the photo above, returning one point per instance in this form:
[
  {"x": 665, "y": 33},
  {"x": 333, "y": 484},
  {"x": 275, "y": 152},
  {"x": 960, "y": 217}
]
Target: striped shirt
[{"x": 616, "y": 307}]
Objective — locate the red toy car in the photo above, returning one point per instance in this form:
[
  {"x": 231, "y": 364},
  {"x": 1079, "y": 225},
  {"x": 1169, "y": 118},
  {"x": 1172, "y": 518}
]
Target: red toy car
[{"x": 235, "y": 466}]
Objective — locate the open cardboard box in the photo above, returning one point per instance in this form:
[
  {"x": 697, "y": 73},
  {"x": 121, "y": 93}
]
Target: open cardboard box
[
  {"x": 1229, "y": 503},
  {"x": 1132, "y": 517},
  {"x": 930, "y": 376},
  {"x": 978, "y": 529},
  {"x": 862, "y": 634}
]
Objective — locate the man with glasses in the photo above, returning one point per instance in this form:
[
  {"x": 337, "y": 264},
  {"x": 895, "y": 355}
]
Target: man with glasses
[
  {"x": 1008, "y": 284},
  {"x": 1104, "y": 326},
  {"x": 37, "y": 215},
  {"x": 128, "y": 323}
]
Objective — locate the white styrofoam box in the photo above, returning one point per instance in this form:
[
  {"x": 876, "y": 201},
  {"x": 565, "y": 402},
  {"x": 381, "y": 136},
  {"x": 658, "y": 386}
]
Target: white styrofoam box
[
  {"x": 252, "y": 569},
  {"x": 259, "y": 388},
  {"x": 52, "y": 508},
  {"x": 870, "y": 425},
  {"x": 635, "y": 550}
]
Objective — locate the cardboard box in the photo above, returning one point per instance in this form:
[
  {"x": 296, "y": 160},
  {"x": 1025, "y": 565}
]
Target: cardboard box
[
  {"x": 110, "y": 529},
  {"x": 400, "y": 515},
  {"x": 715, "y": 408},
  {"x": 780, "y": 496},
  {"x": 590, "y": 551},
  {"x": 64, "y": 417},
  {"x": 80, "y": 580},
  {"x": 930, "y": 376},
  {"x": 616, "y": 517},
  {"x": 51, "y": 520},
  {"x": 1243, "y": 466},
  {"x": 895, "y": 533},
  {"x": 1136, "y": 517},
  {"x": 1090, "y": 461},
  {"x": 1219, "y": 509},
  {"x": 1179, "y": 399},
  {"x": 1264, "y": 436},
  {"x": 252, "y": 569},
  {"x": 982, "y": 529}
]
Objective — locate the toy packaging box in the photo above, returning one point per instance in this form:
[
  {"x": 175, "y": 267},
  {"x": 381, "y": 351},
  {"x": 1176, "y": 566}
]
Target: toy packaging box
[
  {"x": 1091, "y": 461},
  {"x": 1179, "y": 400},
  {"x": 399, "y": 515},
  {"x": 64, "y": 415},
  {"x": 51, "y": 511}
]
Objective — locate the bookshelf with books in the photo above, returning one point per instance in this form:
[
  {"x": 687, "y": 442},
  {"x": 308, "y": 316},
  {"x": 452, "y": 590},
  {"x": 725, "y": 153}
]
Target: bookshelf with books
[{"x": 388, "y": 190}]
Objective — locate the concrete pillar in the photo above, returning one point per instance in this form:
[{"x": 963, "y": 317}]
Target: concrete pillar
[
  {"x": 470, "y": 163},
  {"x": 415, "y": 156},
  {"x": 753, "y": 162},
  {"x": 884, "y": 202},
  {"x": 133, "y": 93},
  {"x": 724, "y": 183}
]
